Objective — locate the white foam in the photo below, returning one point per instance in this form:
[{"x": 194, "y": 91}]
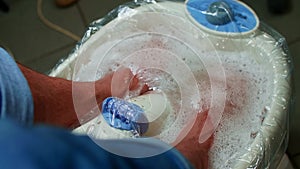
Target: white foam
[{"x": 249, "y": 84}]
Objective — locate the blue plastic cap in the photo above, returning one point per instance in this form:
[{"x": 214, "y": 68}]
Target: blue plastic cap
[
  {"x": 222, "y": 15},
  {"x": 219, "y": 13},
  {"x": 124, "y": 115}
]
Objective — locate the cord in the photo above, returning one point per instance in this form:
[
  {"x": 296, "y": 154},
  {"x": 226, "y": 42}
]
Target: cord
[{"x": 52, "y": 25}]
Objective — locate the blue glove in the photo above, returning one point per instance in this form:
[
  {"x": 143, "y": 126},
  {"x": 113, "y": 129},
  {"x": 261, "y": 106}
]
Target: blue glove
[{"x": 124, "y": 115}]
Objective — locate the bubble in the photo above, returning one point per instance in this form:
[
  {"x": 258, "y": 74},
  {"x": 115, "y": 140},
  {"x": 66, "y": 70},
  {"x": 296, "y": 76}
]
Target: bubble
[
  {"x": 244, "y": 111},
  {"x": 247, "y": 79}
]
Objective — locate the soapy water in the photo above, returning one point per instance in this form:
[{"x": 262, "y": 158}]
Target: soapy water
[
  {"x": 247, "y": 94},
  {"x": 161, "y": 82},
  {"x": 248, "y": 87},
  {"x": 162, "y": 70}
]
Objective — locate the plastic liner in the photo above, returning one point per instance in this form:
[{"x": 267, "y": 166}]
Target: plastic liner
[{"x": 269, "y": 142}]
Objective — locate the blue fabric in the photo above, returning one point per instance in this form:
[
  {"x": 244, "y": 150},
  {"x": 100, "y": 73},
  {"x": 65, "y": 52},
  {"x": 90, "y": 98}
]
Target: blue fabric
[
  {"x": 15, "y": 96},
  {"x": 243, "y": 19},
  {"x": 0, "y": 101},
  {"x": 45, "y": 147}
]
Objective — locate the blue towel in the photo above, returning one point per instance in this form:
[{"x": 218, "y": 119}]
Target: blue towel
[{"x": 15, "y": 96}]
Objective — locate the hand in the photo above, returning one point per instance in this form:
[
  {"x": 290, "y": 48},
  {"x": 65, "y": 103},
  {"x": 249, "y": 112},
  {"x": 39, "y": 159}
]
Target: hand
[
  {"x": 90, "y": 95},
  {"x": 55, "y": 98},
  {"x": 118, "y": 84},
  {"x": 195, "y": 152}
]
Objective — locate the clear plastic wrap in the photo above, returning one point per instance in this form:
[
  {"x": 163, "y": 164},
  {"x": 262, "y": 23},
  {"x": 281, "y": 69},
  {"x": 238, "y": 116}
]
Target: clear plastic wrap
[{"x": 255, "y": 63}]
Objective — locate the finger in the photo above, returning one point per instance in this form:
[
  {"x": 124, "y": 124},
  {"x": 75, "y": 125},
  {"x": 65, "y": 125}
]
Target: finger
[
  {"x": 207, "y": 129},
  {"x": 191, "y": 128},
  {"x": 134, "y": 84},
  {"x": 121, "y": 81},
  {"x": 145, "y": 89},
  {"x": 125, "y": 74}
]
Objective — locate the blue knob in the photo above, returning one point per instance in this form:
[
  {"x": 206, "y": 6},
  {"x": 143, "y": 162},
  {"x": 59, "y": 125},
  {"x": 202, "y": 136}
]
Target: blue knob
[
  {"x": 229, "y": 16},
  {"x": 219, "y": 13}
]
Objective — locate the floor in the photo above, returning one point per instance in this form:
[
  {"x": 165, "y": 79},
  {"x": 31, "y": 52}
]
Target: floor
[{"x": 40, "y": 48}]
